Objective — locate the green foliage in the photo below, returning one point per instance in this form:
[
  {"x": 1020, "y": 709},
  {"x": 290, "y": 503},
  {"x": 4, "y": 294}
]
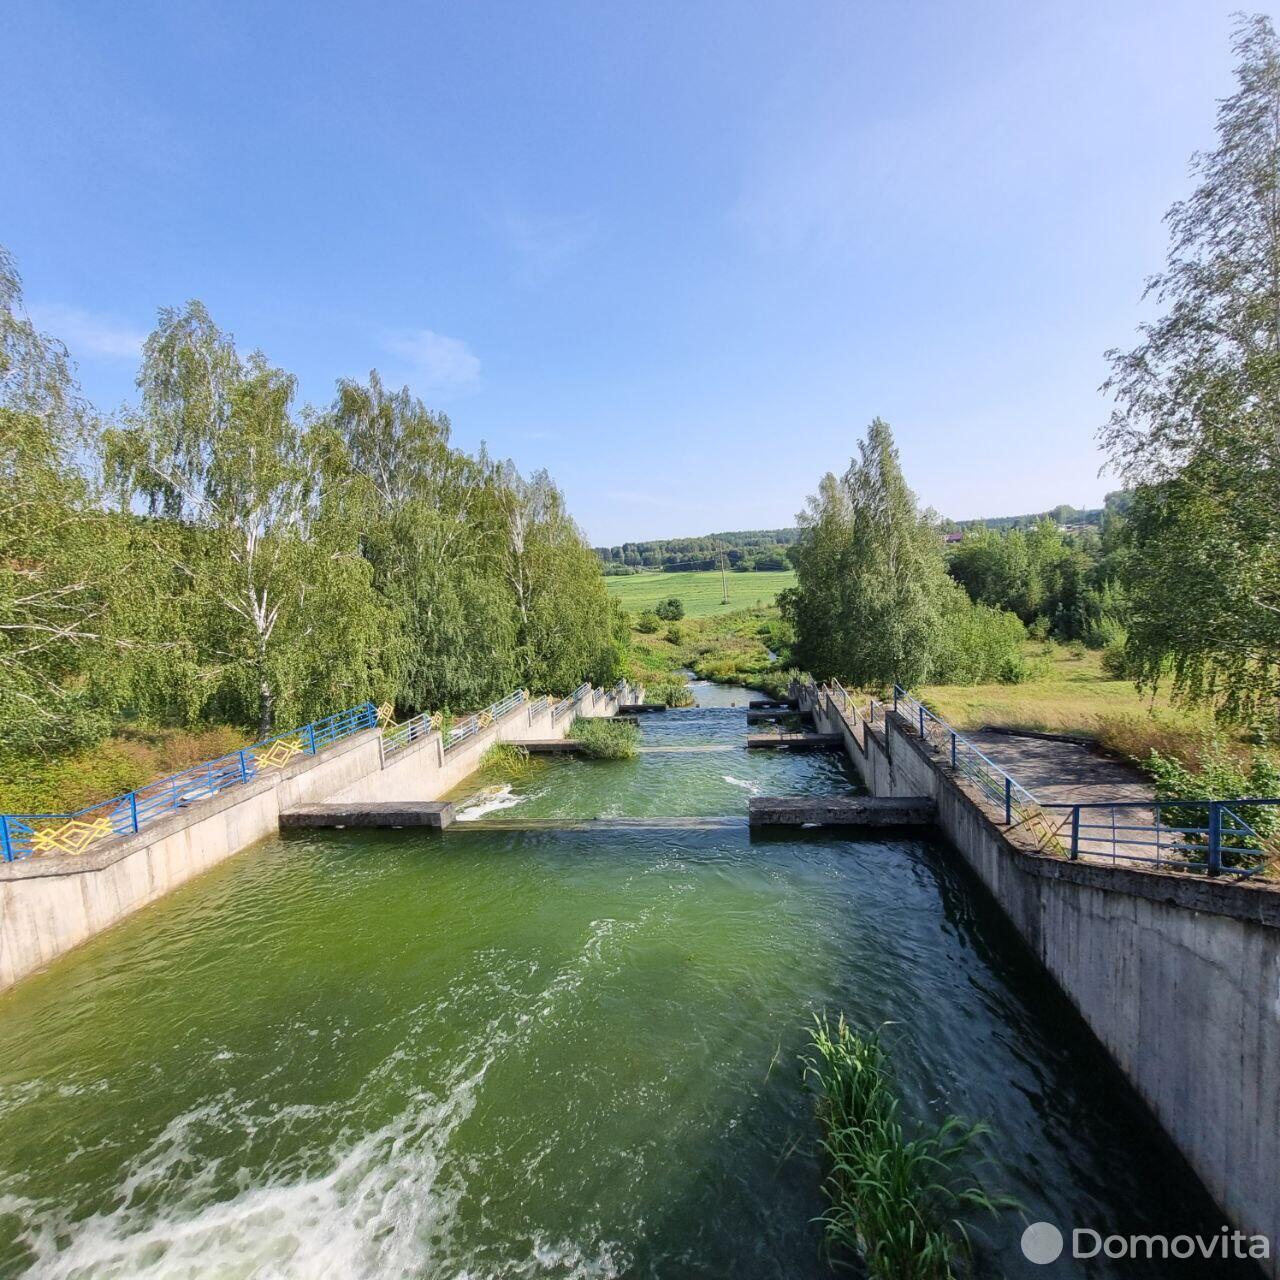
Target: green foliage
[
  {"x": 1197, "y": 401},
  {"x": 671, "y": 693},
  {"x": 1062, "y": 584},
  {"x": 1218, "y": 773},
  {"x": 873, "y": 604},
  {"x": 674, "y": 634},
  {"x": 895, "y": 1200},
  {"x": 508, "y": 758},
  {"x": 976, "y": 644},
  {"x": 763, "y": 549},
  {"x": 670, "y": 610},
  {"x": 289, "y": 563},
  {"x": 648, "y": 622},
  {"x": 604, "y": 738},
  {"x": 68, "y": 576}
]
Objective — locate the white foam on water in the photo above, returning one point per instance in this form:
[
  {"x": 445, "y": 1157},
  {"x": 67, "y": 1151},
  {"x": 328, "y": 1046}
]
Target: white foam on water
[
  {"x": 738, "y": 782},
  {"x": 490, "y": 800},
  {"x": 384, "y": 1207}
]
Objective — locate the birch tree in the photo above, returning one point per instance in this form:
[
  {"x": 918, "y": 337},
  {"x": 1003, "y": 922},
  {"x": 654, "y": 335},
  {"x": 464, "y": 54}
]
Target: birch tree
[
  {"x": 215, "y": 446},
  {"x": 61, "y": 652},
  {"x": 1197, "y": 420}
]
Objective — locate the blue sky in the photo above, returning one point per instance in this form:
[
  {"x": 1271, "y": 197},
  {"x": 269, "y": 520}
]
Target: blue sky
[{"x": 678, "y": 254}]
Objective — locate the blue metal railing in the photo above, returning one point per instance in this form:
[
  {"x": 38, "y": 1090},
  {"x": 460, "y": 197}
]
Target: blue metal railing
[
  {"x": 1177, "y": 835},
  {"x": 966, "y": 759},
  {"x": 23, "y": 835},
  {"x": 1207, "y": 836}
]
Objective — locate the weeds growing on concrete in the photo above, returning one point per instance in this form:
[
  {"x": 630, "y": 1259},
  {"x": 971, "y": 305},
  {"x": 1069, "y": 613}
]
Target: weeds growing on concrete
[{"x": 508, "y": 758}]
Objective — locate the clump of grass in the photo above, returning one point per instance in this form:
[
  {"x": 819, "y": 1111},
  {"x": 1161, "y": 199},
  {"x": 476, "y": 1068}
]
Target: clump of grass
[
  {"x": 605, "y": 739},
  {"x": 508, "y": 758},
  {"x": 895, "y": 1200},
  {"x": 671, "y": 693}
]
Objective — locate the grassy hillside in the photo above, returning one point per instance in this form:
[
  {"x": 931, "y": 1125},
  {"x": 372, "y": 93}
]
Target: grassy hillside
[{"x": 700, "y": 591}]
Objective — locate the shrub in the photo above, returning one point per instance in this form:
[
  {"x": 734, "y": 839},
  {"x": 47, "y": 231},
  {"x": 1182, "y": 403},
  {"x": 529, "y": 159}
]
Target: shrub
[
  {"x": 1115, "y": 662},
  {"x": 1219, "y": 773},
  {"x": 1013, "y": 669},
  {"x": 605, "y": 739},
  {"x": 977, "y": 644},
  {"x": 648, "y": 622},
  {"x": 1038, "y": 628},
  {"x": 895, "y": 1200},
  {"x": 674, "y": 634},
  {"x": 671, "y": 609}
]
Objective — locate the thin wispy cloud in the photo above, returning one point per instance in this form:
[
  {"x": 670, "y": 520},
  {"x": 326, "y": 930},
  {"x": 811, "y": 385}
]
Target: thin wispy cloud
[
  {"x": 89, "y": 334},
  {"x": 435, "y": 359},
  {"x": 542, "y": 246}
]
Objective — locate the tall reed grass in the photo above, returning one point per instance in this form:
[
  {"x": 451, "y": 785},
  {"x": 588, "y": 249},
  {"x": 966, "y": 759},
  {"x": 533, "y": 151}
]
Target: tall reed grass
[
  {"x": 508, "y": 758},
  {"x": 896, "y": 1200}
]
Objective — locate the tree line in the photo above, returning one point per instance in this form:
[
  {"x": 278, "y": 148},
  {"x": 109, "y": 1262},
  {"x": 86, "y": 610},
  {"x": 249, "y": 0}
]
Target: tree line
[
  {"x": 743, "y": 551},
  {"x": 1181, "y": 580},
  {"x": 216, "y": 553}
]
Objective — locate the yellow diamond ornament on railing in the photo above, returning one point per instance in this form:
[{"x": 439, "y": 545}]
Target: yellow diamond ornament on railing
[
  {"x": 72, "y": 837},
  {"x": 484, "y": 719},
  {"x": 281, "y": 751},
  {"x": 387, "y": 714}
]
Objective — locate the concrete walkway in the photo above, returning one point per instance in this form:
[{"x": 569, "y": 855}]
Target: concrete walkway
[
  {"x": 1062, "y": 772},
  {"x": 1067, "y": 773}
]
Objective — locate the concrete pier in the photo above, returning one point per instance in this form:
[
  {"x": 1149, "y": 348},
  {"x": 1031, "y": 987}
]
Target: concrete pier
[
  {"x": 797, "y": 741},
  {"x": 436, "y": 814},
  {"x": 773, "y": 704},
  {"x": 840, "y": 811},
  {"x": 632, "y": 708},
  {"x": 552, "y": 746}
]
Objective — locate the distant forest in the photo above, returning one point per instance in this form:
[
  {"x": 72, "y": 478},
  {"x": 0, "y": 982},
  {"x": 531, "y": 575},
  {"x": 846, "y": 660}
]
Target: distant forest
[
  {"x": 743, "y": 551},
  {"x": 1116, "y": 503},
  {"x": 769, "y": 549}
]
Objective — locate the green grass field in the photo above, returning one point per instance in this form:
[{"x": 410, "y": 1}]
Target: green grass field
[{"x": 701, "y": 591}]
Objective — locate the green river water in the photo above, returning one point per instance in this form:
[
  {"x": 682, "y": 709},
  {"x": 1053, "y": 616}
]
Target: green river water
[{"x": 544, "y": 1053}]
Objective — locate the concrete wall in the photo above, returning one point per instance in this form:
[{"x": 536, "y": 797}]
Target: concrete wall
[
  {"x": 50, "y": 904},
  {"x": 1178, "y": 976},
  {"x": 425, "y": 771}
]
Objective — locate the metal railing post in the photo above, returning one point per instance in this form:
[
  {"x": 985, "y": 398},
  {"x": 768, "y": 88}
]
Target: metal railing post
[
  {"x": 922, "y": 723},
  {"x": 133, "y": 810},
  {"x": 1008, "y": 801},
  {"x": 311, "y": 737},
  {"x": 244, "y": 767},
  {"x": 953, "y": 750},
  {"x": 5, "y": 844},
  {"x": 1215, "y": 838},
  {"x": 1075, "y": 834},
  {"x": 895, "y": 697}
]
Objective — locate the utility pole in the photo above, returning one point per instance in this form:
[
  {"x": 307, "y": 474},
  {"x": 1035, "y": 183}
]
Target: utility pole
[{"x": 724, "y": 581}]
